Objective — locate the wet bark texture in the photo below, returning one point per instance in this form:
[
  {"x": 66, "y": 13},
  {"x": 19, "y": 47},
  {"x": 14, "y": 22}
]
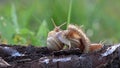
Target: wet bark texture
[{"x": 41, "y": 57}]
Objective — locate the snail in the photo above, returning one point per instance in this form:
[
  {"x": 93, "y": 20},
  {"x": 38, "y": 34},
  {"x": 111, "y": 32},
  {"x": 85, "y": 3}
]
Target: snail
[
  {"x": 72, "y": 37},
  {"x": 53, "y": 43}
]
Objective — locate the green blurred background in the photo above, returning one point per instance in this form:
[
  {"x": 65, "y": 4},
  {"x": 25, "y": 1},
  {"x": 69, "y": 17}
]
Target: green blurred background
[{"x": 29, "y": 21}]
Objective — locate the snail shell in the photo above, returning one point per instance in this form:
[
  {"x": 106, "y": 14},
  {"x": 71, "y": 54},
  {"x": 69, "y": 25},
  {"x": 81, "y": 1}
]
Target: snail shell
[{"x": 53, "y": 43}]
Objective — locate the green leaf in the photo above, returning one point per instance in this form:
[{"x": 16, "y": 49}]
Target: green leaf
[{"x": 42, "y": 33}]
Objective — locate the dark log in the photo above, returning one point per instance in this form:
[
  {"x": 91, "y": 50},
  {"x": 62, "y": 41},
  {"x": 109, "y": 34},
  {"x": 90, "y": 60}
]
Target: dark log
[
  {"x": 41, "y": 57},
  {"x": 108, "y": 57}
]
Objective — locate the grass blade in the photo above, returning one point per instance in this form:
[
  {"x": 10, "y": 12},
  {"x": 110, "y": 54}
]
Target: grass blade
[
  {"x": 14, "y": 18},
  {"x": 69, "y": 12}
]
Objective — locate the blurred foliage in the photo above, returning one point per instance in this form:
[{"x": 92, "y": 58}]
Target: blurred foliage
[{"x": 29, "y": 21}]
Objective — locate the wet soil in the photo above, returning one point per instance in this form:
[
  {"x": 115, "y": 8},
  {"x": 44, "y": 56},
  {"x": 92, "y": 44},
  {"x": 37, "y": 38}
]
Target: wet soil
[{"x": 40, "y": 57}]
